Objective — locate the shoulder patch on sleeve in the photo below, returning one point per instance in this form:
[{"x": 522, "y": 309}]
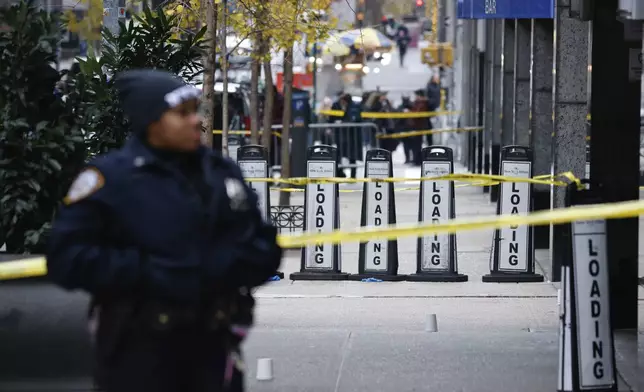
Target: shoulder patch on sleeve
[{"x": 87, "y": 183}]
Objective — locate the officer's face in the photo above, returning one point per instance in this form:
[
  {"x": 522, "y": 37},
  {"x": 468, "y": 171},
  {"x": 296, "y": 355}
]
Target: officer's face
[{"x": 179, "y": 128}]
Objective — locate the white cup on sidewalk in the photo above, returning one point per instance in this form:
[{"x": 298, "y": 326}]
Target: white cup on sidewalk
[
  {"x": 264, "y": 369},
  {"x": 431, "y": 324}
]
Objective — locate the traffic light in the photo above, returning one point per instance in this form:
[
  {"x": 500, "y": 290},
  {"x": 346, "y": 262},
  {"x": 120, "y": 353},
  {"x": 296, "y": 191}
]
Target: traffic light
[
  {"x": 419, "y": 3},
  {"x": 441, "y": 54}
]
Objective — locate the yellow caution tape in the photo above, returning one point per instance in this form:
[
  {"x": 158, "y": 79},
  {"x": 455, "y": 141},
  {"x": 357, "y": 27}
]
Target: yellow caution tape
[
  {"x": 348, "y": 190},
  {"x": 558, "y": 216},
  {"x": 401, "y": 135},
  {"x": 545, "y": 179},
  {"x": 473, "y": 183},
  {"x": 389, "y": 115},
  {"x": 302, "y": 190},
  {"x": 25, "y": 268},
  {"x": 465, "y": 177},
  {"x": 245, "y": 133},
  {"x": 570, "y": 177},
  {"x": 478, "y": 183},
  {"x": 287, "y": 189},
  {"x": 332, "y": 113},
  {"x": 37, "y": 266}
]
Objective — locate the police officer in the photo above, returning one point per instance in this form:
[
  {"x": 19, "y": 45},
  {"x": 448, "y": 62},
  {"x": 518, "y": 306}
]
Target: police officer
[{"x": 167, "y": 238}]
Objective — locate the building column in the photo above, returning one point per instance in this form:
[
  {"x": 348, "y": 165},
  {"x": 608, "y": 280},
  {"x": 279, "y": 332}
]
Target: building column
[
  {"x": 473, "y": 96},
  {"x": 488, "y": 79},
  {"x": 466, "y": 64},
  {"x": 521, "y": 98},
  {"x": 541, "y": 78},
  {"x": 480, "y": 40},
  {"x": 497, "y": 104},
  {"x": 478, "y": 61},
  {"x": 507, "y": 82},
  {"x": 570, "y": 109}
]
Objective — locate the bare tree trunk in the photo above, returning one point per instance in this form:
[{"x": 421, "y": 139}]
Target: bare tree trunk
[
  {"x": 224, "y": 72},
  {"x": 286, "y": 121},
  {"x": 268, "y": 100},
  {"x": 254, "y": 87},
  {"x": 209, "y": 59}
]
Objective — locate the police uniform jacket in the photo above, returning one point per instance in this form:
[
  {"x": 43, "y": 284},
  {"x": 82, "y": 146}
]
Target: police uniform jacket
[{"x": 140, "y": 225}]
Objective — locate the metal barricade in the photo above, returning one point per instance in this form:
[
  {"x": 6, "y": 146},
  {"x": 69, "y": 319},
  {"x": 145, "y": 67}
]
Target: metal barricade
[
  {"x": 240, "y": 137},
  {"x": 351, "y": 139}
]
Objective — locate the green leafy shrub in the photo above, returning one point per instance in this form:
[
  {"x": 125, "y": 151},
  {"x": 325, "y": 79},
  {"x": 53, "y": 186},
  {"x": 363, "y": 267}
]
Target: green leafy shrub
[
  {"x": 145, "y": 42},
  {"x": 38, "y": 135},
  {"x": 45, "y": 137}
]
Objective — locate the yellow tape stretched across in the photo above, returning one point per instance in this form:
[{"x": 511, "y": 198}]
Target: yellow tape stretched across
[
  {"x": 546, "y": 179},
  {"x": 245, "y": 133},
  {"x": 562, "y": 215},
  {"x": 37, "y": 266},
  {"x": 482, "y": 179},
  {"x": 401, "y": 135},
  {"x": 390, "y": 115},
  {"x": 25, "y": 268},
  {"x": 344, "y": 190},
  {"x": 413, "y": 188}
]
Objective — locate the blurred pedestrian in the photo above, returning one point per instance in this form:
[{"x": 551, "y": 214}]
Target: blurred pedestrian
[
  {"x": 387, "y": 126},
  {"x": 371, "y": 103},
  {"x": 327, "y": 136},
  {"x": 403, "y": 125},
  {"x": 390, "y": 27},
  {"x": 434, "y": 92},
  {"x": 349, "y": 138},
  {"x": 402, "y": 41},
  {"x": 420, "y": 104}
]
